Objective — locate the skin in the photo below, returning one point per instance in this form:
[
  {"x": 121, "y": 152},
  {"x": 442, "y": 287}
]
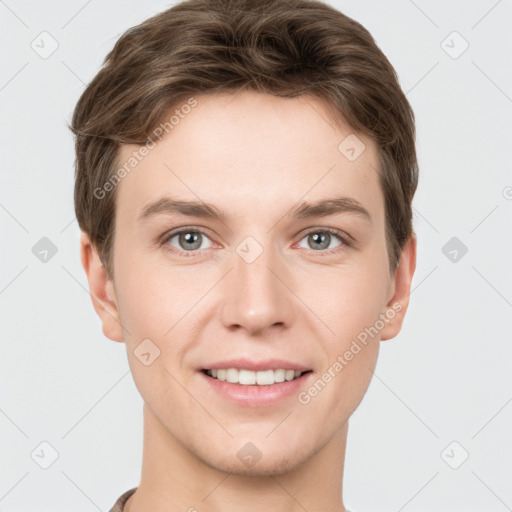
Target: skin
[{"x": 254, "y": 156}]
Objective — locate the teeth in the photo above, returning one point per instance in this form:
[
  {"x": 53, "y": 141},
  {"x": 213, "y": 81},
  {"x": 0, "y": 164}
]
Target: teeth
[
  {"x": 248, "y": 377},
  {"x": 265, "y": 378},
  {"x": 232, "y": 375},
  {"x": 279, "y": 375}
]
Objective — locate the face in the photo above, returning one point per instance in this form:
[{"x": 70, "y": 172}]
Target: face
[{"x": 280, "y": 264}]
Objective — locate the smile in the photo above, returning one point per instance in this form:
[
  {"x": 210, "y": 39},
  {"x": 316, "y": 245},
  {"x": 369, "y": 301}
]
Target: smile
[{"x": 258, "y": 378}]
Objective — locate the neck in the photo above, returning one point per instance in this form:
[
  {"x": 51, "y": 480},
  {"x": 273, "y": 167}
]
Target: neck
[{"x": 173, "y": 478}]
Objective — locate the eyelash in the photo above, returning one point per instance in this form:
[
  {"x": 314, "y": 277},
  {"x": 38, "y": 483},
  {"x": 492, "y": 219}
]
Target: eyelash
[{"x": 345, "y": 239}]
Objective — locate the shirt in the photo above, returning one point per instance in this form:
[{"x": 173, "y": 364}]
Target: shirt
[{"x": 119, "y": 506}]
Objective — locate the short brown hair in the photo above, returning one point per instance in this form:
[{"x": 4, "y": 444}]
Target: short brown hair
[{"x": 285, "y": 48}]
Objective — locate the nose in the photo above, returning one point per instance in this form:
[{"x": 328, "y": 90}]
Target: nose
[{"x": 256, "y": 295}]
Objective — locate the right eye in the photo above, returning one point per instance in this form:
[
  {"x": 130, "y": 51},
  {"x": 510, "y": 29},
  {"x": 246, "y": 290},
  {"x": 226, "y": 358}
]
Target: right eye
[{"x": 189, "y": 241}]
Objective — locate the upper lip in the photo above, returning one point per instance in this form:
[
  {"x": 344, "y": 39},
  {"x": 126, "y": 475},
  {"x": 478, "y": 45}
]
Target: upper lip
[{"x": 248, "y": 364}]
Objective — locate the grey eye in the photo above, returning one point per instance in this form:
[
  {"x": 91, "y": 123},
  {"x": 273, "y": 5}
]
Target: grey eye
[
  {"x": 320, "y": 240},
  {"x": 189, "y": 240}
]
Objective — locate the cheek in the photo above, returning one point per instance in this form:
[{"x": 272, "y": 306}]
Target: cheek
[
  {"x": 348, "y": 301},
  {"x": 355, "y": 302},
  {"x": 162, "y": 306},
  {"x": 153, "y": 299},
  {"x": 151, "y": 307}
]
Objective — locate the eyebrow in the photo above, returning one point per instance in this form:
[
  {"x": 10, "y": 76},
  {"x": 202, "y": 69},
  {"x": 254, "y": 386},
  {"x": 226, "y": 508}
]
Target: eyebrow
[
  {"x": 169, "y": 206},
  {"x": 327, "y": 207},
  {"x": 303, "y": 210}
]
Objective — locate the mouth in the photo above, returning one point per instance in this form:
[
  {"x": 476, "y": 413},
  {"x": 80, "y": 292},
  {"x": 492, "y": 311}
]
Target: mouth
[{"x": 246, "y": 377}]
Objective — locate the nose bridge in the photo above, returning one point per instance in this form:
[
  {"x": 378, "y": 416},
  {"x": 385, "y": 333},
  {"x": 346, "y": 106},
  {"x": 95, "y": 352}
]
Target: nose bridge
[{"x": 255, "y": 298}]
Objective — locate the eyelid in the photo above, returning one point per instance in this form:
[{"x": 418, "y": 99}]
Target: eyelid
[{"x": 344, "y": 236}]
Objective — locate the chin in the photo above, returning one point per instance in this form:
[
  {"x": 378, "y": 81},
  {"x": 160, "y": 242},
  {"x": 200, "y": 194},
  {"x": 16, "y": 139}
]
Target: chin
[{"x": 271, "y": 464}]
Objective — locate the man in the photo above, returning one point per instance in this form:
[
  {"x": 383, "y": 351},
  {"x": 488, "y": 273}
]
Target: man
[{"x": 245, "y": 173}]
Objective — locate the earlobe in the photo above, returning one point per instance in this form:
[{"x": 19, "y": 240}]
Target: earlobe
[
  {"x": 101, "y": 289},
  {"x": 397, "y": 306}
]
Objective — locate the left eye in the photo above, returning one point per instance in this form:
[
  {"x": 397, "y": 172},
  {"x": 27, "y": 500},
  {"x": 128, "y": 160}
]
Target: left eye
[{"x": 321, "y": 239}]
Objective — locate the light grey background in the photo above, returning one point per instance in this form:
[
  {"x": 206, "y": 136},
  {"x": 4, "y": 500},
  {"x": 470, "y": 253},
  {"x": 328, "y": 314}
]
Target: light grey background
[{"x": 445, "y": 378}]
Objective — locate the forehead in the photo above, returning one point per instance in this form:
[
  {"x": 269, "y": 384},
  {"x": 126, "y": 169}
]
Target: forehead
[{"x": 252, "y": 152}]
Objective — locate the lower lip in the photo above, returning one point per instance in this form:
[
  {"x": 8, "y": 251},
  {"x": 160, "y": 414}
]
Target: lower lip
[{"x": 254, "y": 395}]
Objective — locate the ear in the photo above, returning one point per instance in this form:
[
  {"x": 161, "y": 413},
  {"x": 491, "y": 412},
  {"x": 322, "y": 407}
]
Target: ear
[
  {"x": 401, "y": 290},
  {"x": 101, "y": 290}
]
